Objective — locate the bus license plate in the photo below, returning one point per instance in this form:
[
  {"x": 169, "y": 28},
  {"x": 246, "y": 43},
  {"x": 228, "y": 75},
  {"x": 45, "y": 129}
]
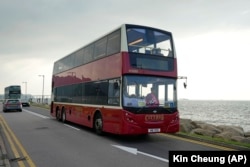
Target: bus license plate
[{"x": 154, "y": 130}]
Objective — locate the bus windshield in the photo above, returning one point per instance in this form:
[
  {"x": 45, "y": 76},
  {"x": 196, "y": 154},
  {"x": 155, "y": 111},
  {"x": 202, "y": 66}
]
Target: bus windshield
[
  {"x": 149, "y": 91},
  {"x": 12, "y": 92},
  {"x": 149, "y": 41}
]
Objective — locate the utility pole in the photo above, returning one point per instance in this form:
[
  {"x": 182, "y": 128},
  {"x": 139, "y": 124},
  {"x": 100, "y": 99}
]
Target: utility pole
[
  {"x": 25, "y": 90},
  {"x": 43, "y": 87}
]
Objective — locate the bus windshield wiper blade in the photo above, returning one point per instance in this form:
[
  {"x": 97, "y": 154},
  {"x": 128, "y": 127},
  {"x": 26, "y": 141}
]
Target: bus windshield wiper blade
[{"x": 141, "y": 108}]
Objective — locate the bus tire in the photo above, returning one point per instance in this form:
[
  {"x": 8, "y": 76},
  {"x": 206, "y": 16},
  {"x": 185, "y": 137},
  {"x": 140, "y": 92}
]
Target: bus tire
[
  {"x": 58, "y": 115},
  {"x": 64, "y": 116},
  {"x": 98, "y": 123}
]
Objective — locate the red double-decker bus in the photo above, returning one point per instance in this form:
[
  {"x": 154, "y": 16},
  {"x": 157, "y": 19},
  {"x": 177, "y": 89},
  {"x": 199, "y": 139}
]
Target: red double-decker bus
[{"x": 123, "y": 83}]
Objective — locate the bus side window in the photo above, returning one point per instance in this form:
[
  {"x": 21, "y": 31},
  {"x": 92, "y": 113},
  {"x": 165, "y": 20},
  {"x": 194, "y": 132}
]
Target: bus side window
[{"x": 114, "y": 93}]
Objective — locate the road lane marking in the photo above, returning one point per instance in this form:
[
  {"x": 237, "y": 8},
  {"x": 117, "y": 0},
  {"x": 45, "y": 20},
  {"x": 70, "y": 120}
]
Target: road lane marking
[
  {"x": 45, "y": 117},
  {"x": 136, "y": 152},
  {"x": 36, "y": 114},
  {"x": 15, "y": 145},
  {"x": 199, "y": 142},
  {"x": 71, "y": 127},
  {"x": 12, "y": 145}
]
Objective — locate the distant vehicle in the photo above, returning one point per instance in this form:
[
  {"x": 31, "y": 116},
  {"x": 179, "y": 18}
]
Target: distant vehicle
[
  {"x": 107, "y": 85},
  {"x": 25, "y": 102},
  {"x": 12, "y": 104},
  {"x": 12, "y": 92}
]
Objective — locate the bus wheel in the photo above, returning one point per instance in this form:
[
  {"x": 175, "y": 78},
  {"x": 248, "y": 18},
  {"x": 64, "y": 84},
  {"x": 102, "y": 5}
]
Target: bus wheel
[
  {"x": 58, "y": 115},
  {"x": 98, "y": 124},
  {"x": 63, "y": 116}
]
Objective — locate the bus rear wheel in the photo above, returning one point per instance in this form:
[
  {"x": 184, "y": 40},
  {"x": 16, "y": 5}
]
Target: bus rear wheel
[
  {"x": 98, "y": 124},
  {"x": 63, "y": 116}
]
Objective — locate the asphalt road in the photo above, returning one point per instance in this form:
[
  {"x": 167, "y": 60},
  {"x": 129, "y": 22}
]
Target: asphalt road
[{"x": 37, "y": 139}]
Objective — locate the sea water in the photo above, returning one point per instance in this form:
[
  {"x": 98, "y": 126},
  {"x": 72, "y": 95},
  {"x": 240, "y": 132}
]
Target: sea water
[{"x": 233, "y": 113}]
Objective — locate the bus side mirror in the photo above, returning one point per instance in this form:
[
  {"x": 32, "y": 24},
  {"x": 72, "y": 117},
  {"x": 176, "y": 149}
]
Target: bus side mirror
[{"x": 185, "y": 85}]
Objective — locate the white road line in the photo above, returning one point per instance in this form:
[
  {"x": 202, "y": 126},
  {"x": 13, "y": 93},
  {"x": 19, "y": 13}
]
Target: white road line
[
  {"x": 71, "y": 127},
  {"x": 136, "y": 152},
  {"x": 45, "y": 117},
  {"x": 39, "y": 115}
]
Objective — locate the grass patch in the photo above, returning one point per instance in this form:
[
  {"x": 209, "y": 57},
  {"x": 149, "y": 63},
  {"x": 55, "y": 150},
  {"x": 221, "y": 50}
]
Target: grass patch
[
  {"x": 46, "y": 106},
  {"x": 216, "y": 140}
]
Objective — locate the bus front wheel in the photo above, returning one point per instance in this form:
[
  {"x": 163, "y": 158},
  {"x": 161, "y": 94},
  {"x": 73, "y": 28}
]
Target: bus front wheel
[
  {"x": 98, "y": 124},
  {"x": 58, "y": 115}
]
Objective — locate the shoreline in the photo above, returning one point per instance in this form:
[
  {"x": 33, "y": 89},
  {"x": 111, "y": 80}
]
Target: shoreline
[{"x": 221, "y": 132}]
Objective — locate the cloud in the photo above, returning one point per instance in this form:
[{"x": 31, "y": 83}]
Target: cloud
[{"x": 34, "y": 34}]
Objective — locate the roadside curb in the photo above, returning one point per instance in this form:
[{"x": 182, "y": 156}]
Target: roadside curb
[
  {"x": 239, "y": 148},
  {"x": 4, "y": 161}
]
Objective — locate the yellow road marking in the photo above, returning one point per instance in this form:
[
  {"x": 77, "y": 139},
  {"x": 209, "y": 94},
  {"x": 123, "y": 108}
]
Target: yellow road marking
[
  {"x": 12, "y": 145},
  {"x": 200, "y": 143},
  {"x": 14, "y": 141}
]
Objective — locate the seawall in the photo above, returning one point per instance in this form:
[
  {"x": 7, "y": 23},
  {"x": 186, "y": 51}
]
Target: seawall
[{"x": 230, "y": 133}]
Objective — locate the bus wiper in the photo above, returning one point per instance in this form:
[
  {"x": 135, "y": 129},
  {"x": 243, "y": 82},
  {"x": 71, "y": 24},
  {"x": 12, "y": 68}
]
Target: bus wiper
[
  {"x": 171, "y": 110},
  {"x": 140, "y": 109},
  {"x": 162, "y": 108},
  {"x": 156, "y": 108}
]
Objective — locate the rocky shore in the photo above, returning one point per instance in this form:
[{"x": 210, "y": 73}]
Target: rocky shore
[{"x": 230, "y": 133}]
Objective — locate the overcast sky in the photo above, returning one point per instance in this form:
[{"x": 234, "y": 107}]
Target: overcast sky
[{"x": 212, "y": 39}]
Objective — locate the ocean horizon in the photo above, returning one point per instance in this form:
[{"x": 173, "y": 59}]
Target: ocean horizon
[{"x": 217, "y": 112}]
